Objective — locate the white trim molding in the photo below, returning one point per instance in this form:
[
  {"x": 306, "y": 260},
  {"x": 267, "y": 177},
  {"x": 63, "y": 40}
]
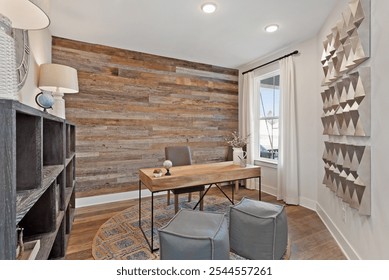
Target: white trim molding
[
  {"x": 344, "y": 245},
  {"x": 108, "y": 198},
  {"x": 308, "y": 203},
  {"x": 115, "y": 197}
]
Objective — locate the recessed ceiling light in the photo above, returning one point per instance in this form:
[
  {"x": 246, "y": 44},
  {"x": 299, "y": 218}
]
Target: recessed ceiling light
[
  {"x": 208, "y": 8},
  {"x": 271, "y": 28}
]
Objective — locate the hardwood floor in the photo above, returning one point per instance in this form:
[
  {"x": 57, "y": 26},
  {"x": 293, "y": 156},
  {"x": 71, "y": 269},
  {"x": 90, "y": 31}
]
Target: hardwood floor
[{"x": 310, "y": 239}]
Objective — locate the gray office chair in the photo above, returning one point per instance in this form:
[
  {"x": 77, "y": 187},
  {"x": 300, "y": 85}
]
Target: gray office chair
[{"x": 180, "y": 155}]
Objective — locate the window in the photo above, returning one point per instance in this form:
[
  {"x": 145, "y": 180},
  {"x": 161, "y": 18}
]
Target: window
[{"x": 268, "y": 100}]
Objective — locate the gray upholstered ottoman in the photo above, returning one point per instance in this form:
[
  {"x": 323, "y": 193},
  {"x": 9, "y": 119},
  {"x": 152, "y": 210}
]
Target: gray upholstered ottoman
[
  {"x": 195, "y": 235},
  {"x": 258, "y": 230}
]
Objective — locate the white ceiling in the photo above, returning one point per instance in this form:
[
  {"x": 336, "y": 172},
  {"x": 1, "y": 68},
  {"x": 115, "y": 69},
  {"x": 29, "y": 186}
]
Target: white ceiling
[{"x": 232, "y": 36}]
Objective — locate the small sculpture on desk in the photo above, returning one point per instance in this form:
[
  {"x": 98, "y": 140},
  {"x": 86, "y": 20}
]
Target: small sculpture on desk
[
  {"x": 167, "y": 164},
  {"x": 157, "y": 172}
]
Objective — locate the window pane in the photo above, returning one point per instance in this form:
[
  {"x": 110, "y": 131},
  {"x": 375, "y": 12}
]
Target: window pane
[
  {"x": 268, "y": 138},
  {"x": 269, "y": 102},
  {"x": 269, "y": 97}
]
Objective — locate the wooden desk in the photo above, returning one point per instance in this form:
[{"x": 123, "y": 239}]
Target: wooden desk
[{"x": 193, "y": 175}]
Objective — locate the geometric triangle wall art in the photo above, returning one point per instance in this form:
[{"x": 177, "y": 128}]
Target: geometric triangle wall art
[
  {"x": 346, "y": 96},
  {"x": 348, "y": 174},
  {"x": 348, "y": 43},
  {"x": 361, "y": 108},
  {"x": 347, "y": 105}
]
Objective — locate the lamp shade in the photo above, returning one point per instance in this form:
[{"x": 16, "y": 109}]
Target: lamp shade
[
  {"x": 23, "y": 14},
  {"x": 58, "y": 78}
]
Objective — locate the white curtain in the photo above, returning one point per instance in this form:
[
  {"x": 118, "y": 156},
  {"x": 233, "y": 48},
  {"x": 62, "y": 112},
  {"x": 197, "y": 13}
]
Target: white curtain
[
  {"x": 288, "y": 181},
  {"x": 247, "y": 121}
]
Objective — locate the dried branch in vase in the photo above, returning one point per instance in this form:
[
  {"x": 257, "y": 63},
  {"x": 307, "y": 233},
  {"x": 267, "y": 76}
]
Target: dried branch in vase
[{"x": 236, "y": 141}]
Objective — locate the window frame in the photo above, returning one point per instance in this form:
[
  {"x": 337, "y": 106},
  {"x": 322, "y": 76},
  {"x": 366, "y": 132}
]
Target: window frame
[{"x": 257, "y": 82}]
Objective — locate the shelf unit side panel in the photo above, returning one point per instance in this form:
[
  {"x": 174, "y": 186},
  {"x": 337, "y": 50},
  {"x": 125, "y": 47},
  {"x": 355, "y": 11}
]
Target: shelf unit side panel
[{"x": 7, "y": 184}]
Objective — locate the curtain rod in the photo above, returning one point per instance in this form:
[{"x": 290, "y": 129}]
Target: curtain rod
[{"x": 292, "y": 53}]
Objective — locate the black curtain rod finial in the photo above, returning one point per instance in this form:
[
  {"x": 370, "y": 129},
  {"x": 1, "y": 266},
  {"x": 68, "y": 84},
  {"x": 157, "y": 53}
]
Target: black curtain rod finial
[{"x": 255, "y": 68}]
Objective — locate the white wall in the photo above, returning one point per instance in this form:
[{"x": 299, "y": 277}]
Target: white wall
[
  {"x": 308, "y": 126},
  {"x": 360, "y": 236},
  {"x": 40, "y": 46}
]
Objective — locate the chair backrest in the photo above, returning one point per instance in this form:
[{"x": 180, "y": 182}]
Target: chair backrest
[
  {"x": 230, "y": 156},
  {"x": 178, "y": 155}
]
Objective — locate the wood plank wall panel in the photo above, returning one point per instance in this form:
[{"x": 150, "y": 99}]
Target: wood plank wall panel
[{"x": 131, "y": 105}]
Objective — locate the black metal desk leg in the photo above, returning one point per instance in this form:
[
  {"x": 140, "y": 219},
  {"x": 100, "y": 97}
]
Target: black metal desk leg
[
  {"x": 140, "y": 202},
  {"x": 259, "y": 188},
  {"x": 152, "y": 222},
  {"x": 202, "y": 197},
  {"x": 150, "y": 243}
]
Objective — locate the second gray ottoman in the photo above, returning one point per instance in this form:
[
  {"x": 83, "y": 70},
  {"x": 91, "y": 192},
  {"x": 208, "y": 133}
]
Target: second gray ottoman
[
  {"x": 258, "y": 230},
  {"x": 195, "y": 235}
]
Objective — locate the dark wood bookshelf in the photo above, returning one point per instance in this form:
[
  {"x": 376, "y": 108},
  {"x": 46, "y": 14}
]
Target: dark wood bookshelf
[{"x": 37, "y": 179}]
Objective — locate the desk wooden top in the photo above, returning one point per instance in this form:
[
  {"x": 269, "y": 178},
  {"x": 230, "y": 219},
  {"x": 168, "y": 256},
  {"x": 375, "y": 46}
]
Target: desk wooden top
[{"x": 197, "y": 174}]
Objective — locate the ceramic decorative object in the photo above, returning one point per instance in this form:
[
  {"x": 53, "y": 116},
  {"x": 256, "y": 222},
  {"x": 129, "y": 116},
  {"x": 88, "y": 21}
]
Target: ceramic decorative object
[
  {"x": 167, "y": 164},
  {"x": 237, "y": 143},
  {"x": 243, "y": 162},
  {"x": 239, "y": 156}
]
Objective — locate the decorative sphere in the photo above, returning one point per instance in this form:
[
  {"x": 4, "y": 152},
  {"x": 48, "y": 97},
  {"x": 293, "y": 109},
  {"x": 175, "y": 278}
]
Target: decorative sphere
[
  {"x": 45, "y": 100},
  {"x": 167, "y": 164}
]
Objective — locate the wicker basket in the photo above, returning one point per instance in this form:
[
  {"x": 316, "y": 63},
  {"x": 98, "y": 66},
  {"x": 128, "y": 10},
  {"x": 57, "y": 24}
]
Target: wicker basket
[{"x": 8, "y": 80}]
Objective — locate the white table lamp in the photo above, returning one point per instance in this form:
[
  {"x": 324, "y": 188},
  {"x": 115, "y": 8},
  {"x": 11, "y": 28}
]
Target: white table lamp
[{"x": 58, "y": 79}]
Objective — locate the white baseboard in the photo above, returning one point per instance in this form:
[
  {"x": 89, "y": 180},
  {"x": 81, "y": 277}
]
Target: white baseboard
[
  {"x": 269, "y": 189},
  {"x": 344, "y": 245},
  {"x": 304, "y": 202},
  {"x": 308, "y": 203},
  {"x": 108, "y": 198},
  {"x": 115, "y": 197}
]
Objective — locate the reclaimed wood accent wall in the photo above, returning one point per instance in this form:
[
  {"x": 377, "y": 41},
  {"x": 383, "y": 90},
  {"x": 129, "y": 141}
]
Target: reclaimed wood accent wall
[{"x": 131, "y": 105}]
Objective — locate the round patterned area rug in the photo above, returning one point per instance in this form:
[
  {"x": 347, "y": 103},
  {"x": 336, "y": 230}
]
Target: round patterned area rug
[{"x": 121, "y": 239}]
